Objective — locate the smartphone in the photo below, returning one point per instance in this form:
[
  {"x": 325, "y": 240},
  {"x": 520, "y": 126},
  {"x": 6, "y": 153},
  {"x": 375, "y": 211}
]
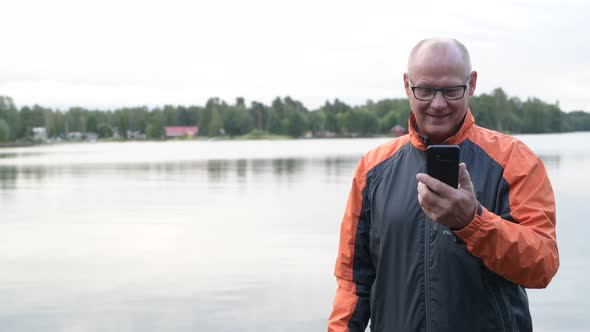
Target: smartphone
[{"x": 442, "y": 162}]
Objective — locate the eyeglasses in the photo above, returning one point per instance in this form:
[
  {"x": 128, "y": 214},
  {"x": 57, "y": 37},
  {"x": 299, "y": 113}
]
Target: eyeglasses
[{"x": 426, "y": 93}]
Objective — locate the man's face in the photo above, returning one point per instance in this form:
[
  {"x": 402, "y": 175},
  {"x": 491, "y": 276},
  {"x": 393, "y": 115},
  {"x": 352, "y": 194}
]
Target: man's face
[{"x": 439, "y": 118}]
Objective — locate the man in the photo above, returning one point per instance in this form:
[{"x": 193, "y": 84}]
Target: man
[{"x": 418, "y": 255}]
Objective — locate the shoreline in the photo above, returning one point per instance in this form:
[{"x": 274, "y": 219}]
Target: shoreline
[{"x": 247, "y": 137}]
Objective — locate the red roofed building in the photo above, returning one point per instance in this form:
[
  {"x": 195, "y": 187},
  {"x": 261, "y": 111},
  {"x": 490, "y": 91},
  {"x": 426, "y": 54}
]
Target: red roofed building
[
  {"x": 181, "y": 131},
  {"x": 398, "y": 130}
]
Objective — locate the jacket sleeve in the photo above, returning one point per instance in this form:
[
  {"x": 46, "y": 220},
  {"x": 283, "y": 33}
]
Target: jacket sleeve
[
  {"x": 522, "y": 246},
  {"x": 354, "y": 270}
]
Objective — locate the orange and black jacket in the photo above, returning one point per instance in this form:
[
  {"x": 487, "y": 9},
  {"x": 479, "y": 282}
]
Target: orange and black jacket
[{"x": 408, "y": 273}]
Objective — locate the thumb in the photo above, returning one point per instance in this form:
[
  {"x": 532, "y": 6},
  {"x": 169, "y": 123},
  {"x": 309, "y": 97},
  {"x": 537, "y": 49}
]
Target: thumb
[{"x": 464, "y": 179}]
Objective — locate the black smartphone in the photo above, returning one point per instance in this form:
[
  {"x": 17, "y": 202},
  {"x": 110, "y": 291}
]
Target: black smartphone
[{"x": 442, "y": 162}]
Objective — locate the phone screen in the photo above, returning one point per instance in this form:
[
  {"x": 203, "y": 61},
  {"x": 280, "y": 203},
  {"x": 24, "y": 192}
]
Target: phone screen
[{"x": 443, "y": 163}]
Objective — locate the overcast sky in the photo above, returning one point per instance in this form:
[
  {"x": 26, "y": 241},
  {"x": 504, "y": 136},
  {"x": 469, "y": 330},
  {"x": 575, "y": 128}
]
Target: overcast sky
[{"x": 113, "y": 53}]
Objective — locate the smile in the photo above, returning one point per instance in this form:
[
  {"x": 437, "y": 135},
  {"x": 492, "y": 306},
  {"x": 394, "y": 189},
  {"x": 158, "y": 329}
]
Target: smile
[{"x": 437, "y": 116}]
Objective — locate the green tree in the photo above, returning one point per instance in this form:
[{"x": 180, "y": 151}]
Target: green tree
[
  {"x": 6, "y": 103},
  {"x": 363, "y": 122},
  {"x": 10, "y": 114},
  {"x": 502, "y": 108},
  {"x": 215, "y": 124},
  {"x": 317, "y": 122},
  {"x": 186, "y": 116},
  {"x": 389, "y": 121},
  {"x": 122, "y": 125},
  {"x": 104, "y": 130},
  {"x": 91, "y": 123},
  {"x": 297, "y": 124},
  {"x": 155, "y": 128},
  {"x": 4, "y": 131},
  {"x": 483, "y": 108},
  {"x": 137, "y": 118},
  {"x": 274, "y": 124},
  {"x": 539, "y": 117},
  {"x": 206, "y": 115},
  {"x": 334, "y": 116},
  {"x": 258, "y": 113},
  {"x": 343, "y": 122},
  {"x": 237, "y": 121},
  {"x": 577, "y": 121},
  {"x": 244, "y": 121},
  {"x": 171, "y": 116}
]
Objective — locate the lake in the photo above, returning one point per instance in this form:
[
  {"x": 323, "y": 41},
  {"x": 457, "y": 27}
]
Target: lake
[{"x": 217, "y": 235}]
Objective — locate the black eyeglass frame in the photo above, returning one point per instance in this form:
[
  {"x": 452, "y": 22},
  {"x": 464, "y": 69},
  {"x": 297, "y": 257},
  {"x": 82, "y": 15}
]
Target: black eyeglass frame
[{"x": 442, "y": 90}]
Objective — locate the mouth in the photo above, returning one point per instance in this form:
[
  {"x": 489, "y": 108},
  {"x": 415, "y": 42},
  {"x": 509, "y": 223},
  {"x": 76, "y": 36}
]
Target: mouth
[{"x": 438, "y": 116}]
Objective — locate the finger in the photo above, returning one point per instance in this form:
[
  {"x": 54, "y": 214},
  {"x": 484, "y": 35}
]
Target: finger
[
  {"x": 426, "y": 197},
  {"x": 420, "y": 177},
  {"x": 464, "y": 178},
  {"x": 438, "y": 187},
  {"x": 425, "y": 179},
  {"x": 422, "y": 190}
]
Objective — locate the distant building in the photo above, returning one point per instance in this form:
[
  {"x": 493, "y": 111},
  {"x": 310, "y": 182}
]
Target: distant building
[
  {"x": 182, "y": 131},
  {"x": 135, "y": 134},
  {"x": 90, "y": 136},
  {"x": 40, "y": 133},
  {"x": 81, "y": 136},
  {"x": 398, "y": 130},
  {"x": 74, "y": 136}
]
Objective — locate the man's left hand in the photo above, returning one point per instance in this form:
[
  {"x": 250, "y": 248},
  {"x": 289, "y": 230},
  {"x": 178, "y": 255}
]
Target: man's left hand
[{"x": 446, "y": 205}]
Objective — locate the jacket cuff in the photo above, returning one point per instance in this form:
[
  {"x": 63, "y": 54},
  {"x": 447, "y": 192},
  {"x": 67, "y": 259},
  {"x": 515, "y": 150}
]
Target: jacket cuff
[{"x": 475, "y": 225}]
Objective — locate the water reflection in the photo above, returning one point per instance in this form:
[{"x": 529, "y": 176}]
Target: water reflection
[
  {"x": 551, "y": 161},
  {"x": 8, "y": 176},
  {"x": 8, "y": 155},
  {"x": 241, "y": 168},
  {"x": 215, "y": 170},
  {"x": 338, "y": 166},
  {"x": 259, "y": 166}
]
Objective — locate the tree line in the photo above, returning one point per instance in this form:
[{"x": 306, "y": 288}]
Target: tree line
[{"x": 284, "y": 116}]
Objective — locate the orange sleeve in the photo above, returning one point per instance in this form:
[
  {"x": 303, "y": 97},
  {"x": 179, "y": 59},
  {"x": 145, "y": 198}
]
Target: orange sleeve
[
  {"x": 351, "y": 312},
  {"x": 524, "y": 251}
]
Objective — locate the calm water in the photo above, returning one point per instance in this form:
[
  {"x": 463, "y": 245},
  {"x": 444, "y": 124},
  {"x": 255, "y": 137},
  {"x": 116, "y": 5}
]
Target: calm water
[{"x": 216, "y": 236}]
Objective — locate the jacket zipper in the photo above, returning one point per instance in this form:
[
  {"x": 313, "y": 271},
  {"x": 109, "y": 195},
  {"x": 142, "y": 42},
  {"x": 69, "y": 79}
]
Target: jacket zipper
[
  {"x": 427, "y": 272},
  {"x": 495, "y": 303},
  {"x": 427, "y": 226}
]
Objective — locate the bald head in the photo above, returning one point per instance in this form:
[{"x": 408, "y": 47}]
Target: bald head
[{"x": 439, "y": 50}]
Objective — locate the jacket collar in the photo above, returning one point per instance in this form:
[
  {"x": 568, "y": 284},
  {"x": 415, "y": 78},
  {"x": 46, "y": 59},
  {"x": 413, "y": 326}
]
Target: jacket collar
[{"x": 422, "y": 142}]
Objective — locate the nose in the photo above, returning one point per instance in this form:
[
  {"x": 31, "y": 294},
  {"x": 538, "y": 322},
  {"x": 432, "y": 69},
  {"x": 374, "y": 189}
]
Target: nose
[{"x": 439, "y": 102}]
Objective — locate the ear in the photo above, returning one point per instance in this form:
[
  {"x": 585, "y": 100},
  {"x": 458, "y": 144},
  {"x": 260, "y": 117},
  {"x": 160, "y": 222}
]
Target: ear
[
  {"x": 472, "y": 82},
  {"x": 407, "y": 84}
]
